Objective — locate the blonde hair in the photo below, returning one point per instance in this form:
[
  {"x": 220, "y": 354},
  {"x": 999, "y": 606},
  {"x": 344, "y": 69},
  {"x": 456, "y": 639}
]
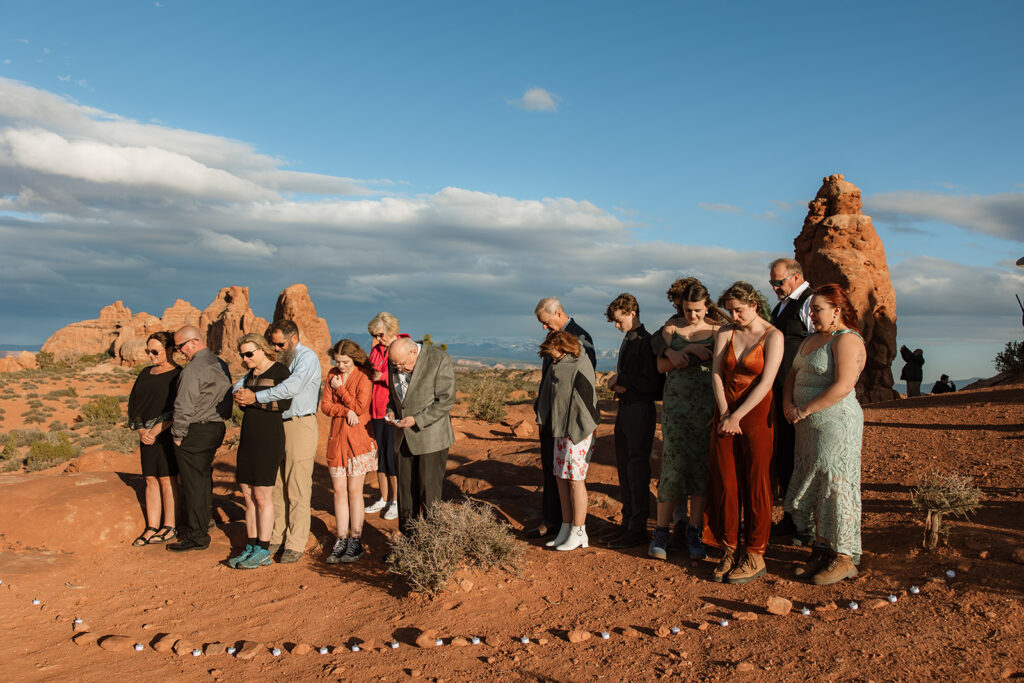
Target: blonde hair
[
  {"x": 261, "y": 343},
  {"x": 385, "y": 321}
]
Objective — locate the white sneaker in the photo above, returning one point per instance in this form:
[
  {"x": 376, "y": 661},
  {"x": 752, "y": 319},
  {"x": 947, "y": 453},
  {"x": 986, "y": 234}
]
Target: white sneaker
[
  {"x": 391, "y": 512},
  {"x": 378, "y": 506}
]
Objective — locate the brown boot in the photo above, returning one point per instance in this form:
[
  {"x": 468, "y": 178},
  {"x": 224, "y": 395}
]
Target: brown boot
[
  {"x": 841, "y": 567},
  {"x": 819, "y": 559},
  {"x": 725, "y": 565},
  {"x": 750, "y": 568}
]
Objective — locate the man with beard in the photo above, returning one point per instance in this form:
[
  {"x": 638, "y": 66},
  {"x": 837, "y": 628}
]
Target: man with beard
[
  {"x": 295, "y": 478},
  {"x": 201, "y": 406},
  {"x": 792, "y": 317}
]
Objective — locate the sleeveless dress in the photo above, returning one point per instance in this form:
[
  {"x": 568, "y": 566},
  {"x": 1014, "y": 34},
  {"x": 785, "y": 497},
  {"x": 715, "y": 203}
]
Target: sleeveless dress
[
  {"x": 826, "y": 472},
  {"x": 687, "y": 408},
  {"x": 740, "y": 465},
  {"x": 150, "y": 403},
  {"x": 261, "y": 442}
]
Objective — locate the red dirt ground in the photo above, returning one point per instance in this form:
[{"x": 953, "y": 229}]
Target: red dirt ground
[{"x": 65, "y": 540}]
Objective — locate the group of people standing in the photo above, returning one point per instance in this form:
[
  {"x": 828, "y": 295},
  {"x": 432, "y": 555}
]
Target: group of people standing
[{"x": 755, "y": 402}]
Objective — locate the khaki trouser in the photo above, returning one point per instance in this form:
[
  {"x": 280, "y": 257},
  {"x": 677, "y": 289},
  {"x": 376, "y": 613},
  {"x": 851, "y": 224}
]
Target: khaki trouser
[{"x": 295, "y": 484}]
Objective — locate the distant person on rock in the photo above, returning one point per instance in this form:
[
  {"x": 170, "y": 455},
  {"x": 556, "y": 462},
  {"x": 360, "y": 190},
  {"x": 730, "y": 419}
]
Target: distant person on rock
[
  {"x": 294, "y": 483},
  {"x": 384, "y": 330},
  {"x": 792, "y": 317},
  {"x": 637, "y": 384},
  {"x": 567, "y": 408},
  {"x": 260, "y": 449},
  {"x": 151, "y": 414},
  {"x": 351, "y": 450},
  {"x": 912, "y": 372},
  {"x": 748, "y": 352},
  {"x": 821, "y": 401},
  {"x": 201, "y": 406},
  {"x": 685, "y": 344},
  {"x": 422, "y": 384},
  {"x": 552, "y": 317},
  {"x": 943, "y": 386}
]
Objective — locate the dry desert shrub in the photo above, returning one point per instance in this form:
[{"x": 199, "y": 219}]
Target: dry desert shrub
[
  {"x": 944, "y": 494},
  {"x": 1011, "y": 359},
  {"x": 54, "y": 449},
  {"x": 451, "y": 534},
  {"x": 102, "y": 410},
  {"x": 486, "y": 398}
]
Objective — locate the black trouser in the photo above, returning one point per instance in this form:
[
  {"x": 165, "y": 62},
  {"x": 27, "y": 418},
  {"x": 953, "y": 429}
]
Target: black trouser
[
  {"x": 785, "y": 443},
  {"x": 634, "y": 436},
  {"x": 551, "y": 506},
  {"x": 420, "y": 478},
  {"x": 195, "y": 463}
]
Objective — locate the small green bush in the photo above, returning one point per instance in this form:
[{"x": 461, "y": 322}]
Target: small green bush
[
  {"x": 33, "y": 418},
  {"x": 45, "y": 360},
  {"x": 25, "y": 437},
  {"x": 236, "y": 416},
  {"x": 1011, "y": 358},
  {"x": 10, "y": 449},
  {"x": 486, "y": 398},
  {"x": 69, "y": 392},
  {"x": 53, "y": 450},
  {"x": 120, "y": 440},
  {"x": 102, "y": 410},
  {"x": 450, "y": 534}
]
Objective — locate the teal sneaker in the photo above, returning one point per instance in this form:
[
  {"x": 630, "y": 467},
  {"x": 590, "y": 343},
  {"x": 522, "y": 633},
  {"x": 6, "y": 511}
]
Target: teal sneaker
[
  {"x": 234, "y": 561},
  {"x": 259, "y": 557}
]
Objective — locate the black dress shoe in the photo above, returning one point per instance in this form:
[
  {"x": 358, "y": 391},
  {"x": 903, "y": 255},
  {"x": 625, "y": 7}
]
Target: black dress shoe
[
  {"x": 630, "y": 539},
  {"x": 186, "y": 544},
  {"x": 540, "y": 531}
]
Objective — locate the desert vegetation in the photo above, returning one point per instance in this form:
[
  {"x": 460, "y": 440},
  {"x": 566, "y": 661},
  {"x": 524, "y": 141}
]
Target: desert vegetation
[
  {"x": 1011, "y": 359},
  {"x": 941, "y": 495}
]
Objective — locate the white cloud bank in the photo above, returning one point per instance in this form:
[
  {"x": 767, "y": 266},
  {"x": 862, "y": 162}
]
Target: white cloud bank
[
  {"x": 537, "y": 99},
  {"x": 998, "y": 215}
]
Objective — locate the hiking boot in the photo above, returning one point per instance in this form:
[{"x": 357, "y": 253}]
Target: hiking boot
[
  {"x": 629, "y": 539},
  {"x": 659, "y": 545},
  {"x": 749, "y": 568},
  {"x": 725, "y": 565},
  {"x": 694, "y": 544},
  {"x": 353, "y": 551},
  {"x": 290, "y": 557},
  {"x": 818, "y": 560},
  {"x": 841, "y": 567},
  {"x": 259, "y": 557},
  {"x": 339, "y": 549},
  {"x": 233, "y": 561},
  {"x": 677, "y": 541},
  {"x": 274, "y": 549}
]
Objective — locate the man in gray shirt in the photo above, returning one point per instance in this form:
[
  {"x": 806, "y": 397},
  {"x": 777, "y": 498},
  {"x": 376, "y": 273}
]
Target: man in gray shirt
[{"x": 202, "y": 405}]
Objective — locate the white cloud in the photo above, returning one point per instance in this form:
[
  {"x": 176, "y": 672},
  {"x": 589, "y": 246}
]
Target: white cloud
[
  {"x": 537, "y": 99},
  {"x": 64, "y": 78},
  {"x": 999, "y": 215},
  {"x": 719, "y": 208}
]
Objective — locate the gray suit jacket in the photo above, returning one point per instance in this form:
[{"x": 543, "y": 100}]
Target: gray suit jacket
[{"x": 429, "y": 399}]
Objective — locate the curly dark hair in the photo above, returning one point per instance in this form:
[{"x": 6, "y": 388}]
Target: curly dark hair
[
  {"x": 624, "y": 302},
  {"x": 691, "y": 289}
]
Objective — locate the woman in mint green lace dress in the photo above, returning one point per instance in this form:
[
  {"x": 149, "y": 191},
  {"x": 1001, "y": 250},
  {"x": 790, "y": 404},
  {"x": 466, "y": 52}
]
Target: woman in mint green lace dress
[{"x": 820, "y": 400}]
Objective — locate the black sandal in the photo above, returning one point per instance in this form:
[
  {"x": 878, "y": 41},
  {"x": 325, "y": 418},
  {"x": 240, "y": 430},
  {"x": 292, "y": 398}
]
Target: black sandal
[
  {"x": 163, "y": 534},
  {"x": 142, "y": 540}
]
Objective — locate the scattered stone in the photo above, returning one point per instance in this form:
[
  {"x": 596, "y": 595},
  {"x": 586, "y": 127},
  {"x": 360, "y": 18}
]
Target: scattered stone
[
  {"x": 495, "y": 639},
  {"x": 459, "y": 641},
  {"x": 216, "y": 672},
  {"x": 117, "y": 643},
  {"x": 662, "y": 631},
  {"x": 146, "y": 627},
  {"x": 542, "y": 641},
  {"x": 165, "y": 642},
  {"x": 302, "y": 649},
  {"x": 215, "y": 648},
  {"x": 630, "y": 632},
  {"x": 86, "y": 638},
  {"x": 877, "y": 603},
  {"x": 827, "y": 607},
  {"x": 578, "y": 636},
  {"x": 427, "y": 638},
  {"x": 80, "y": 627},
  {"x": 744, "y": 667},
  {"x": 415, "y": 673},
  {"x": 466, "y": 585},
  {"x": 984, "y": 555},
  {"x": 703, "y": 626},
  {"x": 744, "y": 616},
  {"x": 182, "y": 648},
  {"x": 1018, "y": 555},
  {"x": 249, "y": 649},
  {"x": 779, "y": 606},
  {"x": 490, "y": 660}
]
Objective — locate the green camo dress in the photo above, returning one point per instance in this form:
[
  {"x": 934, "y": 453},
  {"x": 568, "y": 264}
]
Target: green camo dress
[
  {"x": 826, "y": 469},
  {"x": 687, "y": 408}
]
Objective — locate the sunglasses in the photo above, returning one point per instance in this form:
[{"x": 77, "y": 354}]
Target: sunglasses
[
  {"x": 279, "y": 345},
  {"x": 779, "y": 283},
  {"x": 151, "y": 352},
  {"x": 247, "y": 354},
  {"x": 179, "y": 347}
]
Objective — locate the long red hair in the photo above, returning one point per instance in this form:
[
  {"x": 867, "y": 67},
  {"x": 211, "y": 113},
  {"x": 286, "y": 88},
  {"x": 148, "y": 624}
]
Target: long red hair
[{"x": 836, "y": 296}]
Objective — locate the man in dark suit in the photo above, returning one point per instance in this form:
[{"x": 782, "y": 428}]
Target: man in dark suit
[
  {"x": 422, "y": 388},
  {"x": 552, "y": 317}
]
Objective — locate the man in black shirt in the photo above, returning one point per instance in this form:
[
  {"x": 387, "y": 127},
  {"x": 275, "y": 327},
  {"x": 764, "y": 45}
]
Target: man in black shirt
[{"x": 637, "y": 385}]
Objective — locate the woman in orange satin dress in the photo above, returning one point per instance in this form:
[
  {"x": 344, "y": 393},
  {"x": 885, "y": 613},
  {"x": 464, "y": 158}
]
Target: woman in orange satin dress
[{"x": 748, "y": 352}]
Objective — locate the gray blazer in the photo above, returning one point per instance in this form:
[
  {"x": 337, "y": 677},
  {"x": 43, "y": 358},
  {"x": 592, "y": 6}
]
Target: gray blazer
[{"x": 429, "y": 399}]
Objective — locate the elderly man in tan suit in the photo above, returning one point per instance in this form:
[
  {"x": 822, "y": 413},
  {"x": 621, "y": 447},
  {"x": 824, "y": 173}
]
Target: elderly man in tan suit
[{"x": 422, "y": 386}]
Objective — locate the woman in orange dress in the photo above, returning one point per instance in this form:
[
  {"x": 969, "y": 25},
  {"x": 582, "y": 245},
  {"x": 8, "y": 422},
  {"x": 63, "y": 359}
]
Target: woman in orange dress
[
  {"x": 351, "y": 450},
  {"x": 747, "y": 356}
]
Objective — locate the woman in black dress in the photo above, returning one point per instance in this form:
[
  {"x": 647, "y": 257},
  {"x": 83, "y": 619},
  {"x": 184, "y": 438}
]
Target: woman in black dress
[
  {"x": 260, "y": 449},
  {"x": 150, "y": 412}
]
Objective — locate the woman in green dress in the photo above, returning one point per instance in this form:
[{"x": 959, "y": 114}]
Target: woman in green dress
[
  {"x": 684, "y": 349},
  {"x": 820, "y": 400}
]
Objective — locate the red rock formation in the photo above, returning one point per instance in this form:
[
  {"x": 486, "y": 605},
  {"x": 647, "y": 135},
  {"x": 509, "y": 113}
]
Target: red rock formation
[
  {"x": 838, "y": 244},
  {"x": 25, "y": 360},
  {"x": 130, "y": 345},
  {"x": 228, "y": 319},
  {"x": 294, "y": 304},
  {"x": 89, "y": 336},
  {"x": 180, "y": 314}
]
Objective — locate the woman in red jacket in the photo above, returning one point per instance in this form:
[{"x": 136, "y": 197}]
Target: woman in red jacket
[{"x": 351, "y": 450}]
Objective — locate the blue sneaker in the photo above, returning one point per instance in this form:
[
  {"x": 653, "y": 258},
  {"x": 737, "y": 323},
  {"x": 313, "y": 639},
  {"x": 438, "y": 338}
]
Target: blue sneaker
[
  {"x": 694, "y": 545},
  {"x": 659, "y": 544},
  {"x": 233, "y": 562},
  {"x": 259, "y": 557}
]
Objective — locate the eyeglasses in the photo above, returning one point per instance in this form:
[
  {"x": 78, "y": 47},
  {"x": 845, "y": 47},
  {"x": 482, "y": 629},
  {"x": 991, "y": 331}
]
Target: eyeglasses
[
  {"x": 247, "y": 354},
  {"x": 179, "y": 347},
  {"x": 279, "y": 345},
  {"x": 779, "y": 283}
]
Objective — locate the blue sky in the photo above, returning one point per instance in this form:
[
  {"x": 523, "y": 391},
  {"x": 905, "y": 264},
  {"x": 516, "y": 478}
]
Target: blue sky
[{"x": 455, "y": 162}]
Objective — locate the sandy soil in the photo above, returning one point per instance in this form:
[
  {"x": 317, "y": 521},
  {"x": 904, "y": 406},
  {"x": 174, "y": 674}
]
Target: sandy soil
[{"x": 65, "y": 540}]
